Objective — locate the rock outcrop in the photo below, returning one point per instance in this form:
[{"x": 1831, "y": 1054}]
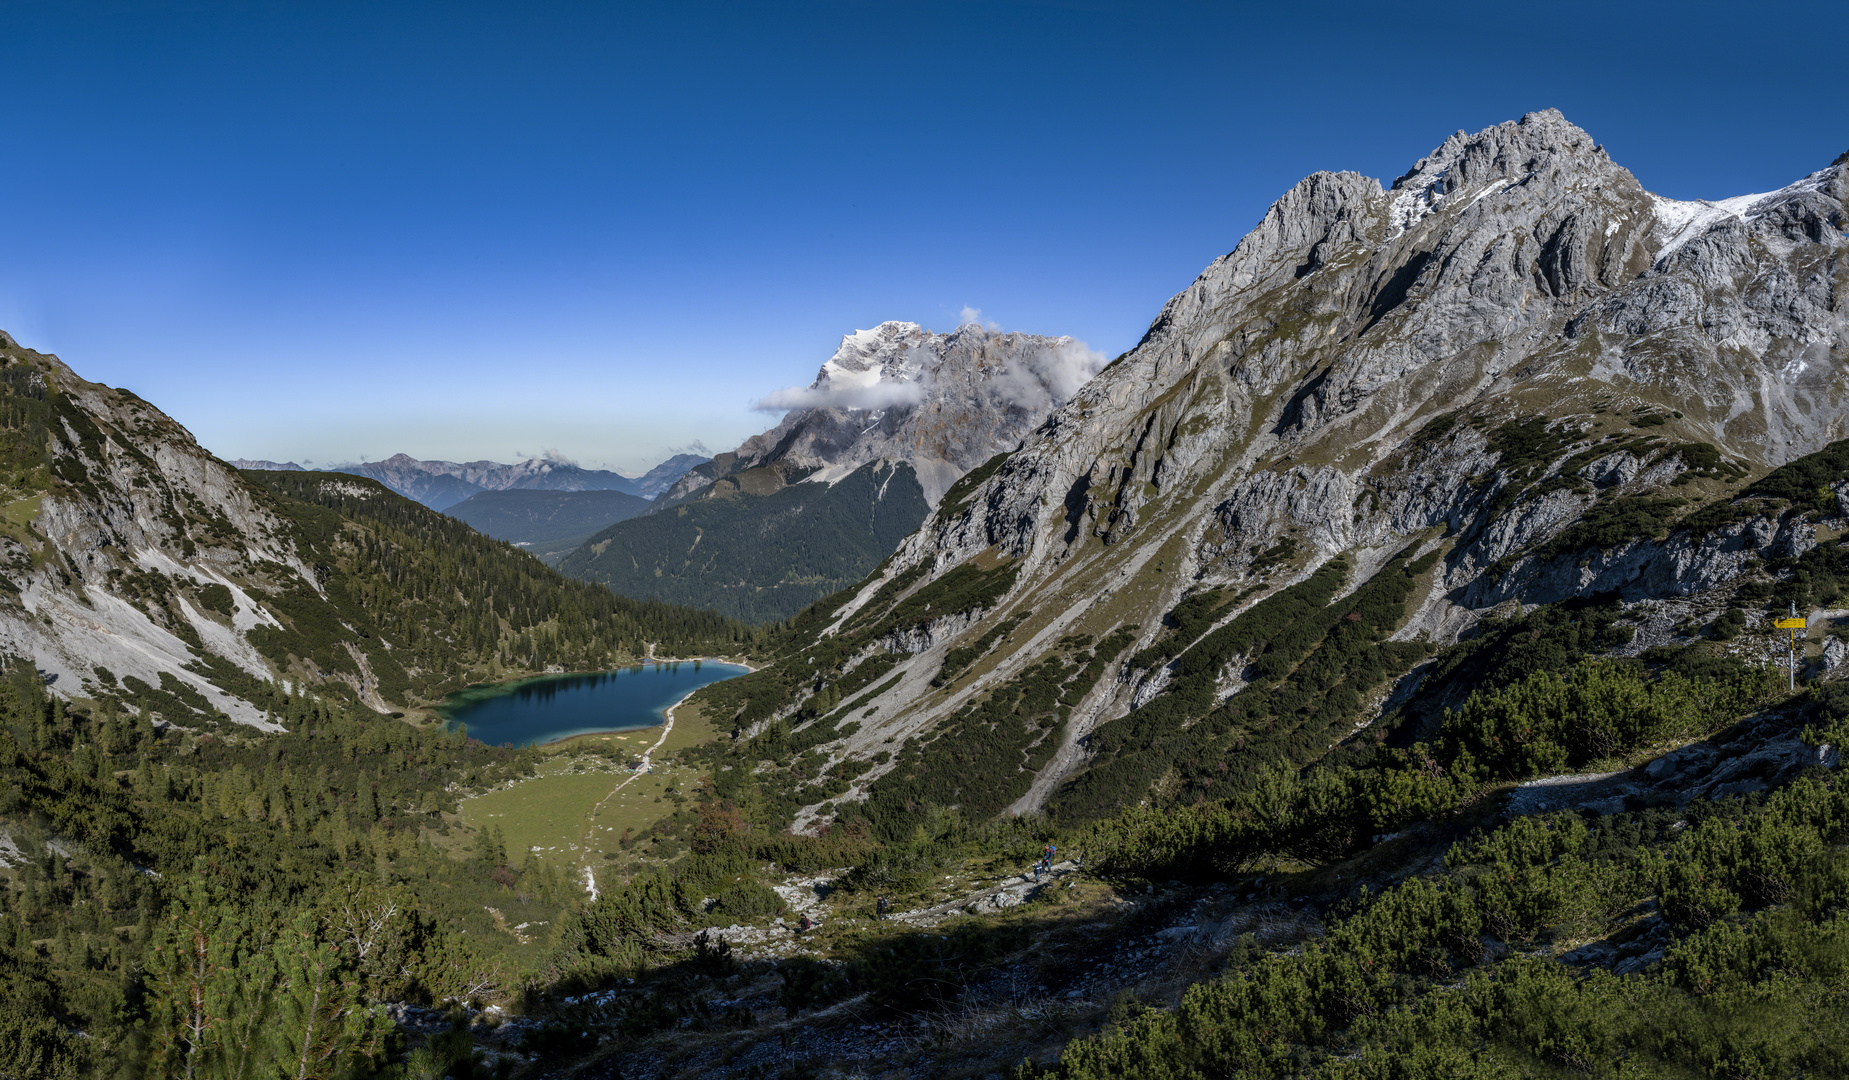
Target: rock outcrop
[{"x": 109, "y": 551}]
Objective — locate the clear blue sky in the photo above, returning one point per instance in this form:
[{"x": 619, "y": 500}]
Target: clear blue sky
[{"x": 320, "y": 230}]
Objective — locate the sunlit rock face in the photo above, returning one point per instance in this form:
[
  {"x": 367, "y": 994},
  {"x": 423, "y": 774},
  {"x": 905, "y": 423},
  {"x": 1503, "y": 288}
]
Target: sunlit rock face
[{"x": 1477, "y": 359}]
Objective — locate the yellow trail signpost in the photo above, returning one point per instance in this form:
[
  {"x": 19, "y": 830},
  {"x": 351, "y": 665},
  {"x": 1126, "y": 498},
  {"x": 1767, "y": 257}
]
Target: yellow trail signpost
[{"x": 1793, "y": 624}]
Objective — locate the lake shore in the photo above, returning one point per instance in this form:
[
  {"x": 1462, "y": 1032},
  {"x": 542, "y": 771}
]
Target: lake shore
[
  {"x": 518, "y": 712},
  {"x": 740, "y": 662}
]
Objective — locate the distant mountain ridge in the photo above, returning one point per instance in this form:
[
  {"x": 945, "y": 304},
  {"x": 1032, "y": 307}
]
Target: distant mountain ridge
[
  {"x": 442, "y": 484},
  {"x": 756, "y": 556}
]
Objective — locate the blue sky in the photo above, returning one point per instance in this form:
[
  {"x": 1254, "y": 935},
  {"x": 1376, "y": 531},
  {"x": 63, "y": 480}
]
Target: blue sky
[{"x": 323, "y": 230}]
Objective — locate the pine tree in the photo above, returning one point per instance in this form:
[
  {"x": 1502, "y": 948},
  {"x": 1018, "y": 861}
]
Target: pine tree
[{"x": 321, "y": 1029}]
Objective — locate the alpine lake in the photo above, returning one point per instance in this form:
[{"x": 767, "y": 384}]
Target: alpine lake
[{"x": 548, "y": 708}]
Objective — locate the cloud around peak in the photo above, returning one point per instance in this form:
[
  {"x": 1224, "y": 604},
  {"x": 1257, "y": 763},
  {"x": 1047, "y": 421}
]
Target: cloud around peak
[
  {"x": 881, "y": 395},
  {"x": 1040, "y": 378},
  {"x": 972, "y": 316}
]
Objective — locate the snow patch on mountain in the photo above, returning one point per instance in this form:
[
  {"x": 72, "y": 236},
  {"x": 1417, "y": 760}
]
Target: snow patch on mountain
[{"x": 1680, "y": 221}]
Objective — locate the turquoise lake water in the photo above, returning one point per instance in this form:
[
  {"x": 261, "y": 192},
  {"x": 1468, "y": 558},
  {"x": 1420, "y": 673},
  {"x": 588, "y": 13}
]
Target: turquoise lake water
[{"x": 555, "y": 707}]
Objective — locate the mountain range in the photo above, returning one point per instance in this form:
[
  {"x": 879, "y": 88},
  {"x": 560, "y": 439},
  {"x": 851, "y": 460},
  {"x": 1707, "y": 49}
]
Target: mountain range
[
  {"x": 442, "y": 484},
  {"x": 1409, "y": 412},
  {"x": 895, "y": 417},
  {"x": 1396, "y": 635}
]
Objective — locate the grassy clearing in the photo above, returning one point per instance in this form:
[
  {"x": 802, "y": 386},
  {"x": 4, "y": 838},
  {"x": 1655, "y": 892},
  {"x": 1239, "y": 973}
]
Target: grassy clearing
[
  {"x": 16, "y": 518},
  {"x": 546, "y": 816}
]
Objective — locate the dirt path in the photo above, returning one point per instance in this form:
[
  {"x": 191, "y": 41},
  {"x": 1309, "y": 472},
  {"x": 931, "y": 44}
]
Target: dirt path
[{"x": 590, "y": 819}]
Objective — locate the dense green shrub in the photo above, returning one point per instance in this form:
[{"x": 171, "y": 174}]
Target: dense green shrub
[
  {"x": 1308, "y": 659},
  {"x": 747, "y": 900},
  {"x": 1596, "y": 709},
  {"x": 1408, "y": 986}
]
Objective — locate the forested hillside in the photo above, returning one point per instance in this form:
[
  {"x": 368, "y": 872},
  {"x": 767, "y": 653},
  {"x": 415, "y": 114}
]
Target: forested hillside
[
  {"x": 757, "y": 553},
  {"x": 433, "y": 605},
  {"x": 545, "y": 522},
  {"x": 136, "y": 565},
  {"x": 188, "y": 904}
]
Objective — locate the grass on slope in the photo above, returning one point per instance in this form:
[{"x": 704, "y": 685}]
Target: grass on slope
[{"x": 546, "y": 816}]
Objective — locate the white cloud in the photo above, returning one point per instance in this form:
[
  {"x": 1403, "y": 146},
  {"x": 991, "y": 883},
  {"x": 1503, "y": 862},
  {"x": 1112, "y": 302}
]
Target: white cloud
[
  {"x": 1046, "y": 378},
  {"x": 550, "y": 457},
  {"x": 880, "y": 395},
  {"x": 973, "y": 316}
]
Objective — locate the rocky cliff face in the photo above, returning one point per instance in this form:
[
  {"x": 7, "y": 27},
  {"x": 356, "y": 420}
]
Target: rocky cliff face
[
  {"x": 1513, "y": 356},
  {"x": 111, "y": 547},
  {"x": 940, "y": 403},
  {"x": 1518, "y": 271}
]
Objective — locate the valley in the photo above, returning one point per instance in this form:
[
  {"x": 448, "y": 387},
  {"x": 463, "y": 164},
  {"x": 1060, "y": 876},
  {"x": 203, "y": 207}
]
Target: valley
[
  {"x": 1387, "y": 644},
  {"x": 548, "y": 524}
]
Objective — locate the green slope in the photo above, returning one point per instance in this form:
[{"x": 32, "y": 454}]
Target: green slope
[{"x": 758, "y": 557}]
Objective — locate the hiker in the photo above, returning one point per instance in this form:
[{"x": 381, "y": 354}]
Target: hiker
[
  {"x": 803, "y": 926},
  {"x": 879, "y": 908}
]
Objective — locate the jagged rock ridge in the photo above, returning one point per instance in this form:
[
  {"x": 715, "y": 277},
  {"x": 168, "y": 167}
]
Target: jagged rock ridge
[{"x": 1511, "y": 340}]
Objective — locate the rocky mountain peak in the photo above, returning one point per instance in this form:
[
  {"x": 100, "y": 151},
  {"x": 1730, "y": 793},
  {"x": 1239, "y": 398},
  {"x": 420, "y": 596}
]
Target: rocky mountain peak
[
  {"x": 942, "y": 403},
  {"x": 887, "y": 351}
]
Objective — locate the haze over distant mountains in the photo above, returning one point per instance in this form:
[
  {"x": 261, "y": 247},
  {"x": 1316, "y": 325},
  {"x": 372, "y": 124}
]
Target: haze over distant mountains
[
  {"x": 549, "y": 524},
  {"x": 442, "y": 484}
]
